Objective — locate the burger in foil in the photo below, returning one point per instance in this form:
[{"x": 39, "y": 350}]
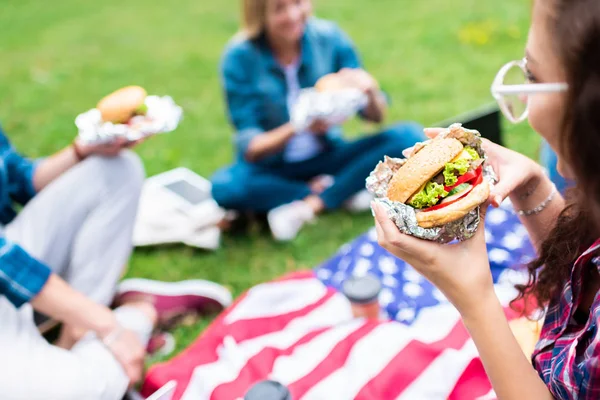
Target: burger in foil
[{"x": 435, "y": 193}]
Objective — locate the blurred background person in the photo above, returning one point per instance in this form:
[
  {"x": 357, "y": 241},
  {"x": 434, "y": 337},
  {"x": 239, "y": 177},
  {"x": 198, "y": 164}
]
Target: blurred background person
[
  {"x": 62, "y": 256},
  {"x": 293, "y": 176}
]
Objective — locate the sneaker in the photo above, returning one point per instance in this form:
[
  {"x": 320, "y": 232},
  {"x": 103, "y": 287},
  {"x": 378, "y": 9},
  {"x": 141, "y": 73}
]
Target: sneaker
[
  {"x": 360, "y": 202},
  {"x": 173, "y": 300},
  {"x": 286, "y": 221}
]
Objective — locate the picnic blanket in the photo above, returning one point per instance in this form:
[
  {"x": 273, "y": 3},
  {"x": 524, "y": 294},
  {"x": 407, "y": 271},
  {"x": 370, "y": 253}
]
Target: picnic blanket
[{"x": 299, "y": 330}]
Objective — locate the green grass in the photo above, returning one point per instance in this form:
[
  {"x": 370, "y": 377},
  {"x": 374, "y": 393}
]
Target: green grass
[{"x": 436, "y": 59}]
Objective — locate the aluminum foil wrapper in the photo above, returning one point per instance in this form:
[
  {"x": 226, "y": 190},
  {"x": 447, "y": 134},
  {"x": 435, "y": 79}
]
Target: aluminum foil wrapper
[
  {"x": 163, "y": 116},
  {"x": 404, "y": 216},
  {"x": 333, "y": 107}
]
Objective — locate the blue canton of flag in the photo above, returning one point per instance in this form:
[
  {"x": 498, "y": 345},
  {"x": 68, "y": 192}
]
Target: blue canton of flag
[{"x": 404, "y": 291}]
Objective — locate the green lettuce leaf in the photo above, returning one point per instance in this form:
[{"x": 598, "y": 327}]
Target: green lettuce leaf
[
  {"x": 429, "y": 196},
  {"x": 142, "y": 109},
  {"x": 459, "y": 166},
  {"x": 472, "y": 152}
]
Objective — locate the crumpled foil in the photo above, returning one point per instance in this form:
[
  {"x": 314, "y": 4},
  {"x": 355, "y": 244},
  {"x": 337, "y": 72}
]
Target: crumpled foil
[
  {"x": 163, "y": 116},
  {"x": 333, "y": 107},
  {"x": 404, "y": 216}
]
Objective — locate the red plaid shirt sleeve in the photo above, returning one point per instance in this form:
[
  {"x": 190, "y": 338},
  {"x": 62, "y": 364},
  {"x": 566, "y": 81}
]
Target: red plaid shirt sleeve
[{"x": 567, "y": 356}]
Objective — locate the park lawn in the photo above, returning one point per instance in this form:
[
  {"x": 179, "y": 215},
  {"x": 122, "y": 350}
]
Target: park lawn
[{"x": 435, "y": 58}]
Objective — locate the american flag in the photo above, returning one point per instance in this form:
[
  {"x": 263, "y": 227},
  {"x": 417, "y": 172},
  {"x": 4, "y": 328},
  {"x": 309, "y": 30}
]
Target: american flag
[{"x": 299, "y": 331}]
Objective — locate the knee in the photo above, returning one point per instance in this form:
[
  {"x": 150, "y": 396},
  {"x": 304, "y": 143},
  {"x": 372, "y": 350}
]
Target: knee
[
  {"x": 401, "y": 136},
  {"x": 129, "y": 169},
  {"x": 228, "y": 189},
  {"x": 406, "y": 133},
  {"x": 123, "y": 172}
]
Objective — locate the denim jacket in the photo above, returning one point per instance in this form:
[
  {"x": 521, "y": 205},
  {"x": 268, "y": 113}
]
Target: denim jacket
[{"x": 255, "y": 87}]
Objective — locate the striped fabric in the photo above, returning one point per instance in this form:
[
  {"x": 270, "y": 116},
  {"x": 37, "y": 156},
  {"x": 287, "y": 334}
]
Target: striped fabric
[{"x": 299, "y": 330}]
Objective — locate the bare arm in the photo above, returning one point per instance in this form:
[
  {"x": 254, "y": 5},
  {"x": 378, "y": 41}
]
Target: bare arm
[
  {"x": 269, "y": 142},
  {"x": 61, "y": 302},
  {"x": 510, "y": 372},
  {"x": 377, "y": 107},
  {"x": 55, "y": 165}
]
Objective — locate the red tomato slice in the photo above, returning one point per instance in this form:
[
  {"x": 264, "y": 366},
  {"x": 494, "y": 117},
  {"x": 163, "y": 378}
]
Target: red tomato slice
[
  {"x": 479, "y": 179},
  {"x": 475, "y": 182},
  {"x": 464, "y": 178},
  {"x": 438, "y": 206}
]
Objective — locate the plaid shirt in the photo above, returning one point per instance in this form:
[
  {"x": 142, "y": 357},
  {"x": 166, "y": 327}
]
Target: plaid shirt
[
  {"x": 567, "y": 357},
  {"x": 21, "y": 276}
]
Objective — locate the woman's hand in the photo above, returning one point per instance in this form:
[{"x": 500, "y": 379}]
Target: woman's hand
[
  {"x": 363, "y": 81},
  {"x": 111, "y": 149},
  {"x": 319, "y": 127},
  {"x": 516, "y": 173},
  {"x": 359, "y": 79},
  {"x": 461, "y": 271},
  {"x": 129, "y": 352}
]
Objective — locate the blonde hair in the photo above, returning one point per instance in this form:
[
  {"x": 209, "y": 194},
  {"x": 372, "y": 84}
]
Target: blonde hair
[{"x": 253, "y": 18}]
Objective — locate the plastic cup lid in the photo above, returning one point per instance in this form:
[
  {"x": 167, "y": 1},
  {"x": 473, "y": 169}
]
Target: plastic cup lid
[
  {"x": 268, "y": 390},
  {"x": 362, "y": 289}
]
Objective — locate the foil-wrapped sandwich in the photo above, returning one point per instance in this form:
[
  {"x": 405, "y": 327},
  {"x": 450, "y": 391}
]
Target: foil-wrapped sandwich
[
  {"x": 128, "y": 113},
  {"x": 332, "y": 100},
  {"x": 435, "y": 193}
]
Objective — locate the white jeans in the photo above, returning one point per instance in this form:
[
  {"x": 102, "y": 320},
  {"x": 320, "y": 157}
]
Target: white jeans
[{"x": 81, "y": 226}]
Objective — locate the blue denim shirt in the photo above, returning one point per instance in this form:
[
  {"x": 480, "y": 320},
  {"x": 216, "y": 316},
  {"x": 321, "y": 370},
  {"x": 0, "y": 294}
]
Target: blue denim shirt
[
  {"x": 21, "y": 276},
  {"x": 255, "y": 87}
]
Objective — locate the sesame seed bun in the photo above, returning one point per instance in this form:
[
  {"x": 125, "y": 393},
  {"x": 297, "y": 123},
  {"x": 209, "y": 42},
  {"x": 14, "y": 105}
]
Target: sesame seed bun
[{"x": 422, "y": 167}]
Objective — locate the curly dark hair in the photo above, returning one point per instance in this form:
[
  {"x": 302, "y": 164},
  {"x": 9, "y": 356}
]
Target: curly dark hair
[{"x": 574, "y": 26}]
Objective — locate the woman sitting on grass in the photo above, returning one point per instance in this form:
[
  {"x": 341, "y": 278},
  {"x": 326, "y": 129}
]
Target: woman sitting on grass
[
  {"x": 281, "y": 50},
  {"x": 562, "y": 79}
]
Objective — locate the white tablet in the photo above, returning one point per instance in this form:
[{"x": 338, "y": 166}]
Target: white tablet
[{"x": 184, "y": 186}]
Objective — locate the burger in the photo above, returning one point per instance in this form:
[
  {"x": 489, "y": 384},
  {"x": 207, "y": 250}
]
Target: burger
[
  {"x": 336, "y": 81},
  {"x": 331, "y": 82},
  {"x": 442, "y": 179},
  {"x": 122, "y": 105}
]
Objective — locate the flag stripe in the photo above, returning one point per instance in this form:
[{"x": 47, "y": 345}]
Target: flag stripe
[
  {"x": 299, "y": 364},
  {"x": 473, "y": 383},
  {"x": 445, "y": 370},
  {"x": 234, "y": 355},
  {"x": 403, "y": 372},
  {"x": 258, "y": 367},
  {"x": 368, "y": 356},
  {"x": 331, "y": 363},
  {"x": 246, "y": 329}
]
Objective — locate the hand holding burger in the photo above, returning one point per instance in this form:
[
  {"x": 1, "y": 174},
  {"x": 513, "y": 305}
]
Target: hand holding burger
[
  {"x": 442, "y": 179},
  {"x": 348, "y": 78},
  {"x": 119, "y": 107},
  {"x": 441, "y": 183}
]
